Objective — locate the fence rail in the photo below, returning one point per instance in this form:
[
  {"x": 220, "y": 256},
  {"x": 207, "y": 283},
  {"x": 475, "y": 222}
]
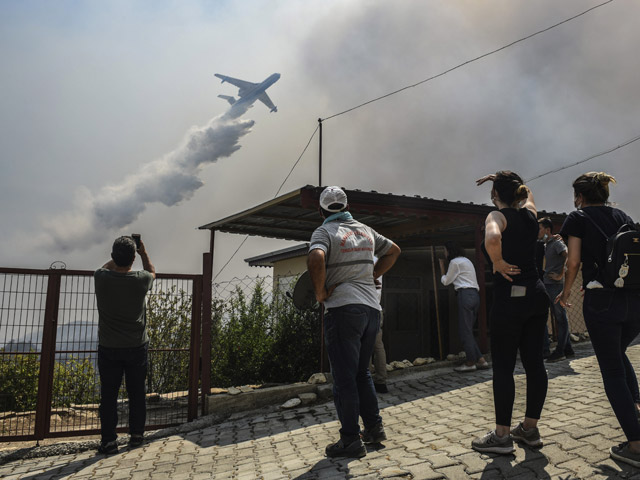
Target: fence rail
[{"x": 49, "y": 382}]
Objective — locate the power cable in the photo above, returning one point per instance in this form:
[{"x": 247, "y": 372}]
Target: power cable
[
  {"x": 281, "y": 185},
  {"x": 628, "y": 142},
  {"x": 468, "y": 61}
]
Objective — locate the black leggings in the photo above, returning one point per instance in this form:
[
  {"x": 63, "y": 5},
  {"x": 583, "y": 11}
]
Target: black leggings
[{"x": 517, "y": 323}]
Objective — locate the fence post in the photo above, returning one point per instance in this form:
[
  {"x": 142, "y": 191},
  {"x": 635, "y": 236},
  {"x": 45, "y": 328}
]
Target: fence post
[
  {"x": 47, "y": 359},
  {"x": 194, "y": 350},
  {"x": 205, "y": 368}
]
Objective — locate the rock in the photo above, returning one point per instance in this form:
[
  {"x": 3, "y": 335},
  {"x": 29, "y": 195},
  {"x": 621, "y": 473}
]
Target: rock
[
  {"x": 574, "y": 338},
  {"x": 216, "y": 390},
  {"x": 317, "y": 378},
  {"x": 407, "y": 363},
  {"x": 234, "y": 391},
  {"x": 246, "y": 388},
  {"x": 56, "y": 419},
  {"x": 307, "y": 398},
  {"x": 431, "y": 360},
  {"x": 462, "y": 355},
  {"x": 324, "y": 391},
  {"x": 294, "y": 402},
  {"x": 398, "y": 365},
  {"x": 389, "y": 368},
  {"x": 452, "y": 357},
  {"x": 419, "y": 361}
]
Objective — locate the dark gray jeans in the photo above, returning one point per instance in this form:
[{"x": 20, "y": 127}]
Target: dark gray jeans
[{"x": 468, "y": 305}]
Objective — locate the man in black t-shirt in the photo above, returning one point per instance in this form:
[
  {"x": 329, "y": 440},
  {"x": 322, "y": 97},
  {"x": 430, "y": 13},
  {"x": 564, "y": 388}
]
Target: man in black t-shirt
[{"x": 122, "y": 339}]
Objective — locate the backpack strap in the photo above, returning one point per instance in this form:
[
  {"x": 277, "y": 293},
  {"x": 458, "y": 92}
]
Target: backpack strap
[{"x": 585, "y": 214}]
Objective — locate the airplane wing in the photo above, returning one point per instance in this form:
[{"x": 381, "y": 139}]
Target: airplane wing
[
  {"x": 264, "y": 98},
  {"x": 241, "y": 84}
]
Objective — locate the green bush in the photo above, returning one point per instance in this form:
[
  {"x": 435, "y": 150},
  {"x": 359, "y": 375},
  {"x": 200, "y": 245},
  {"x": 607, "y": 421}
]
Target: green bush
[
  {"x": 19, "y": 381},
  {"x": 262, "y": 340},
  {"x": 169, "y": 328},
  {"x": 74, "y": 382}
]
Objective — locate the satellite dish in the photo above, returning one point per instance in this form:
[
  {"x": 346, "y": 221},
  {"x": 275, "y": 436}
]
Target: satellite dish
[{"x": 304, "y": 297}]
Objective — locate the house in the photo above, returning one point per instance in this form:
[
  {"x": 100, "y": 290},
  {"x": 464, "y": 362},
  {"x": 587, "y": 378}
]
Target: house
[
  {"x": 420, "y": 313},
  {"x": 287, "y": 265}
]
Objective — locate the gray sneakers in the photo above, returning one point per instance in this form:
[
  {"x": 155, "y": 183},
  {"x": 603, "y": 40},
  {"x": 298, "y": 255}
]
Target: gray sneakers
[
  {"x": 531, "y": 437},
  {"x": 623, "y": 454},
  {"x": 492, "y": 443}
]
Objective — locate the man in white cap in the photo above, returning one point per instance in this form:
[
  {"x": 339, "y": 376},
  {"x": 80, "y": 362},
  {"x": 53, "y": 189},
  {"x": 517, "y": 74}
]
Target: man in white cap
[{"x": 342, "y": 270}]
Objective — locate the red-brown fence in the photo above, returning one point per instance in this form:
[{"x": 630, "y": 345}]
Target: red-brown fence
[{"x": 49, "y": 383}]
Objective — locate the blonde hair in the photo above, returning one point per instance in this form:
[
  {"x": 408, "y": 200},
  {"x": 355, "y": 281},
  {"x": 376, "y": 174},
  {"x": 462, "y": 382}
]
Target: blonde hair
[{"x": 593, "y": 186}]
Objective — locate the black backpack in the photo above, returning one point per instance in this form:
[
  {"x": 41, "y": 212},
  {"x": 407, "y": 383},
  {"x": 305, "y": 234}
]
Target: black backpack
[{"x": 622, "y": 267}]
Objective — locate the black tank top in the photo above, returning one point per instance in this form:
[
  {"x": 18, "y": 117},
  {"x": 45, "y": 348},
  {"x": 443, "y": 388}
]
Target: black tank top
[{"x": 519, "y": 246}]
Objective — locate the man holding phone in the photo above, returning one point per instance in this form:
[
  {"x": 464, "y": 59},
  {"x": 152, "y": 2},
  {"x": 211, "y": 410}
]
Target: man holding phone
[{"x": 122, "y": 338}]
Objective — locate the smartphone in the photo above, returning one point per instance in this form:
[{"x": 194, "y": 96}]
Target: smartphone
[{"x": 136, "y": 238}]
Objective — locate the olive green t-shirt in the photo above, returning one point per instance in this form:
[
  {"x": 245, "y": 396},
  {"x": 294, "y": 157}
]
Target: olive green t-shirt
[{"x": 122, "y": 320}]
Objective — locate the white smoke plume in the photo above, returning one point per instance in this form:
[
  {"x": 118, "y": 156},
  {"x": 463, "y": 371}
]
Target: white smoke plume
[{"x": 169, "y": 180}]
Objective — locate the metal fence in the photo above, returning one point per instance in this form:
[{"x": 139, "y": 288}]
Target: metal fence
[{"x": 49, "y": 382}]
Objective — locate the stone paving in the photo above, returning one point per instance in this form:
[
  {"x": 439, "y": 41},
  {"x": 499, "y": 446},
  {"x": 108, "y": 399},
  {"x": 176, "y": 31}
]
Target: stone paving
[{"x": 430, "y": 419}]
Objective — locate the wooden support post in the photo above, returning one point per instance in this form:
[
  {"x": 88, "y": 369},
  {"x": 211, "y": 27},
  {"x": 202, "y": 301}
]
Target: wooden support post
[{"x": 435, "y": 296}]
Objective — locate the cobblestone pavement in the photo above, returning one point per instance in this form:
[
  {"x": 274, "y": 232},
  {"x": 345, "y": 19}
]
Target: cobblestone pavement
[{"x": 430, "y": 419}]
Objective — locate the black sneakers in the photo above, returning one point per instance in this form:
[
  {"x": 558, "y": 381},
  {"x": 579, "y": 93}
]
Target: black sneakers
[
  {"x": 623, "y": 454},
  {"x": 108, "y": 448},
  {"x": 136, "y": 440},
  {"x": 374, "y": 434},
  {"x": 355, "y": 449},
  {"x": 556, "y": 357},
  {"x": 381, "y": 387}
]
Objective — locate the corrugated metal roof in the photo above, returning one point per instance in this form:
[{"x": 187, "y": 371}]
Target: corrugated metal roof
[
  {"x": 407, "y": 220},
  {"x": 267, "y": 259}
]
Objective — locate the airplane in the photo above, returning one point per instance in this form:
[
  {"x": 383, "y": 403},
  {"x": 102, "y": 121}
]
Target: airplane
[{"x": 250, "y": 92}]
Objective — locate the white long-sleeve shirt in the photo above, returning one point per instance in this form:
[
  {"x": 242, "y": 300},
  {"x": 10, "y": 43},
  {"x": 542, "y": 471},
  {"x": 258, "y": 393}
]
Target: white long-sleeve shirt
[{"x": 461, "y": 273}]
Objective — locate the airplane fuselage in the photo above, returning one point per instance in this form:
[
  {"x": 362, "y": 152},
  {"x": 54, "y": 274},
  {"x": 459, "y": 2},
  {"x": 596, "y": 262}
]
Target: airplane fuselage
[{"x": 250, "y": 92}]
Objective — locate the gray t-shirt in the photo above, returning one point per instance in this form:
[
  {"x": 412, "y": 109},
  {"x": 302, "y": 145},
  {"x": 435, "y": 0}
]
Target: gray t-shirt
[
  {"x": 554, "y": 260},
  {"x": 349, "y": 247},
  {"x": 122, "y": 319}
]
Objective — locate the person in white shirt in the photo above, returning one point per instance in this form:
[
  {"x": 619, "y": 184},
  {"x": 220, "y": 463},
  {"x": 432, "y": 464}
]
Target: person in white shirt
[{"x": 462, "y": 274}]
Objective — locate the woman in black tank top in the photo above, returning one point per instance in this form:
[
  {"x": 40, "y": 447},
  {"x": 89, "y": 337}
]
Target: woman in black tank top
[{"x": 519, "y": 311}]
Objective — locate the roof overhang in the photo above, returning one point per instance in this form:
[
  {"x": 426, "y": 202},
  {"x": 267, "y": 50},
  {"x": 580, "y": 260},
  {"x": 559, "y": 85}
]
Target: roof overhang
[{"x": 408, "y": 221}]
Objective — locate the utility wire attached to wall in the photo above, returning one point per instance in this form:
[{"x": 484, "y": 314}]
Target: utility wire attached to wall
[{"x": 277, "y": 193}]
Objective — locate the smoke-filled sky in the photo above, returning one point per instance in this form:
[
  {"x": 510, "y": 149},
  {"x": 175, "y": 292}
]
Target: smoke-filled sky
[{"x": 110, "y": 122}]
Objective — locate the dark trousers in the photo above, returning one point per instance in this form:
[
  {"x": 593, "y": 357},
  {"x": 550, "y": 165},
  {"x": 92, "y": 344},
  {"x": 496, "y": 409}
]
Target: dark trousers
[
  {"x": 468, "y": 305},
  {"x": 613, "y": 321},
  {"x": 350, "y": 333},
  {"x": 517, "y": 323},
  {"x": 112, "y": 364}
]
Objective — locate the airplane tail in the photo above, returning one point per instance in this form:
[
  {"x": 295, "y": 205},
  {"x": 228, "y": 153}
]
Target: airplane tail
[
  {"x": 229, "y": 99},
  {"x": 274, "y": 109}
]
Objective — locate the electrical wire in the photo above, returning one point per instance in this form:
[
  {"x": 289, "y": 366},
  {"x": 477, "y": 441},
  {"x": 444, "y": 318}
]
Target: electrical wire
[
  {"x": 556, "y": 170},
  {"x": 467, "y": 62},
  {"x": 281, "y": 185}
]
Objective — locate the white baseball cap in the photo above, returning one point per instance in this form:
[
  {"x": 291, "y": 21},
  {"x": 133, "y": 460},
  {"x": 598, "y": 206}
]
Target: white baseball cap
[{"x": 333, "y": 199}]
